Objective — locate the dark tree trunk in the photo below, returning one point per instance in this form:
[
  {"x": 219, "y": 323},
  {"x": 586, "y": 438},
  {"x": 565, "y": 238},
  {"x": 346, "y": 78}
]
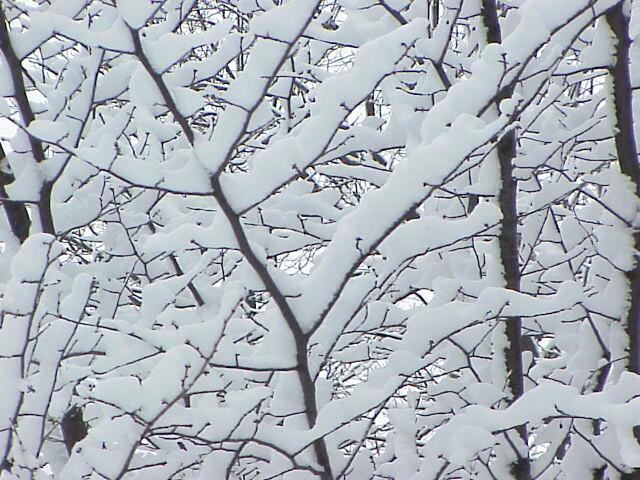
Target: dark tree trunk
[
  {"x": 508, "y": 242},
  {"x": 627, "y": 152}
]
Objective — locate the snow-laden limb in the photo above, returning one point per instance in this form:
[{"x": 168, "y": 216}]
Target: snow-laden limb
[
  {"x": 25, "y": 308},
  {"x": 334, "y": 99},
  {"x": 415, "y": 180},
  {"x": 277, "y": 241}
]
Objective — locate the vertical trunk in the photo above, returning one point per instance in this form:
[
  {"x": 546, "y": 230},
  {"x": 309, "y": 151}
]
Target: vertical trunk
[
  {"x": 508, "y": 242},
  {"x": 627, "y": 152}
]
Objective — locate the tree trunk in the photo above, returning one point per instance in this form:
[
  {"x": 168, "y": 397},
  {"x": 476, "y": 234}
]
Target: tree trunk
[
  {"x": 627, "y": 152},
  {"x": 508, "y": 241}
]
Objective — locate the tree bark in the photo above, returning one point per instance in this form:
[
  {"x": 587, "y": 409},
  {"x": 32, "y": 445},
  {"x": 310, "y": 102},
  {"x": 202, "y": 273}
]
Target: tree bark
[
  {"x": 627, "y": 152},
  {"x": 508, "y": 242}
]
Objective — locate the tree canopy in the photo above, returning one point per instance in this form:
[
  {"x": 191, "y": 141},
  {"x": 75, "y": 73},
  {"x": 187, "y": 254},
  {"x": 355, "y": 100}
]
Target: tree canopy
[{"x": 336, "y": 240}]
